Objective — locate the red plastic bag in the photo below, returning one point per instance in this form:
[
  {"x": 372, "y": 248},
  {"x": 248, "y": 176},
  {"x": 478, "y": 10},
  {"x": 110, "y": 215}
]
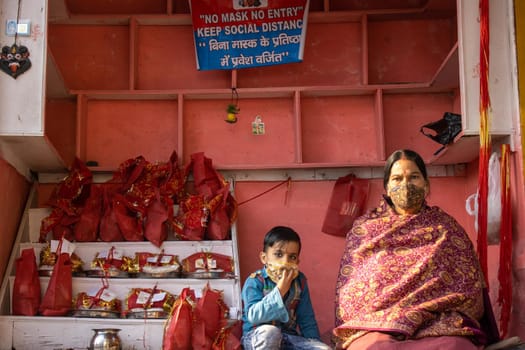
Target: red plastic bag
[
  {"x": 57, "y": 300},
  {"x": 178, "y": 328},
  {"x": 347, "y": 202},
  {"x": 26, "y": 290}
]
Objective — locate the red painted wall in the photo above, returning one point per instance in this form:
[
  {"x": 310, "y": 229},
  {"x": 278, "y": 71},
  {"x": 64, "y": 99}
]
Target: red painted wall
[{"x": 13, "y": 196}]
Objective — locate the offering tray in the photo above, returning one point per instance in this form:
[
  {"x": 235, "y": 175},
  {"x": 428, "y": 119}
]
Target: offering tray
[
  {"x": 169, "y": 274},
  {"x": 205, "y": 274},
  {"x": 96, "y": 313},
  {"x": 157, "y": 313},
  {"x": 114, "y": 273}
]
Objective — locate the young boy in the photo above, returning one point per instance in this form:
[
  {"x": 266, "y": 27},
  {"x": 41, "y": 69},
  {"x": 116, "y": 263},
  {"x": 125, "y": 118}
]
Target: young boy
[{"x": 277, "y": 312}]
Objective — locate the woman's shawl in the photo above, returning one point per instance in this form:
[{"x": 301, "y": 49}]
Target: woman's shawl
[{"x": 413, "y": 275}]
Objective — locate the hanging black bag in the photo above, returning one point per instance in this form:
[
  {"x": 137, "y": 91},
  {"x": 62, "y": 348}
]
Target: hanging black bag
[{"x": 444, "y": 130}]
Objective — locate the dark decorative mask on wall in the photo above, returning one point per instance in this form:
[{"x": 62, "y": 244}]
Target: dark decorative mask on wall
[{"x": 14, "y": 60}]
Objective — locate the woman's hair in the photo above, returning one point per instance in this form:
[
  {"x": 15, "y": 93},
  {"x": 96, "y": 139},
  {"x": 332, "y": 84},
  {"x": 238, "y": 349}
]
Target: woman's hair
[
  {"x": 403, "y": 154},
  {"x": 281, "y": 234}
]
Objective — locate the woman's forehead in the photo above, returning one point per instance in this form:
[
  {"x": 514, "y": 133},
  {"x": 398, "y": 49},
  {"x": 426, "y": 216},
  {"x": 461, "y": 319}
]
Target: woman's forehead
[{"x": 404, "y": 166}]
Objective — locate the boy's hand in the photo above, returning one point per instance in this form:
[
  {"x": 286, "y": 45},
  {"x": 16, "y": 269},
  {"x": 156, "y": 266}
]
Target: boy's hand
[{"x": 285, "y": 282}]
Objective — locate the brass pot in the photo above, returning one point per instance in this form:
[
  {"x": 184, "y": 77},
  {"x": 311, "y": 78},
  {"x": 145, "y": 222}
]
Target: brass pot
[{"x": 105, "y": 339}]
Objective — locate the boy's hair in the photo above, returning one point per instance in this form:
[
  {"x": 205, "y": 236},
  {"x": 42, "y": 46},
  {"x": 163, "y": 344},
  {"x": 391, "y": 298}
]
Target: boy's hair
[{"x": 281, "y": 234}]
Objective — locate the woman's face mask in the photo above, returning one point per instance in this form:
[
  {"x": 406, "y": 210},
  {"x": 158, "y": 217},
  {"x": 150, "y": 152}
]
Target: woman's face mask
[
  {"x": 407, "y": 187},
  {"x": 408, "y": 197}
]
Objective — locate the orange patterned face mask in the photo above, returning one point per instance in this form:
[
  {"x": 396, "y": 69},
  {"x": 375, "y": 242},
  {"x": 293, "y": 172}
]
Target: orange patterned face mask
[
  {"x": 407, "y": 196},
  {"x": 275, "y": 270}
]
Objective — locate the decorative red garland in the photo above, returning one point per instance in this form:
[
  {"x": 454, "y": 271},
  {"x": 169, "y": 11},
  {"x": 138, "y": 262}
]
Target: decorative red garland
[
  {"x": 484, "y": 136},
  {"x": 287, "y": 181},
  {"x": 505, "y": 257}
]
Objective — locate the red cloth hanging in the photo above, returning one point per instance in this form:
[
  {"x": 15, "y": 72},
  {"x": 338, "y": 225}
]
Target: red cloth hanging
[
  {"x": 484, "y": 135},
  {"x": 505, "y": 257},
  {"x": 26, "y": 290}
]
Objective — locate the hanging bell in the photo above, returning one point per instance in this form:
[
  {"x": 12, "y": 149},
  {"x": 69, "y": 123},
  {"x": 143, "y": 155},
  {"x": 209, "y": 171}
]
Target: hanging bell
[
  {"x": 231, "y": 113},
  {"x": 233, "y": 109}
]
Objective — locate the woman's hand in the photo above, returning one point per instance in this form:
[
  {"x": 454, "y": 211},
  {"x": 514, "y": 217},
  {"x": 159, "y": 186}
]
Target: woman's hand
[{"x": 368, "y": 339}]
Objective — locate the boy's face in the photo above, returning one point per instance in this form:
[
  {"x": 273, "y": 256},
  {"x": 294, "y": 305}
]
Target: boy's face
[{"x": 282, "y": 255}]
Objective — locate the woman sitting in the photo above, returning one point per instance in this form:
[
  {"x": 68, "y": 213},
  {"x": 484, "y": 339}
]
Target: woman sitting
[{"x": 409, "y": 277}]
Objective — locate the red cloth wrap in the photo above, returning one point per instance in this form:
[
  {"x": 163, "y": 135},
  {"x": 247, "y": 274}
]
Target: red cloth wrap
[{"x": 26, "y": 290}]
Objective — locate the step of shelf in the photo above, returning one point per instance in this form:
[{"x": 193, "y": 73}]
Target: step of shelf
[
  {"x": 87, "y": 251},
  {"x": 61, "y": 333},
  {"x": 121, "y": 287}
]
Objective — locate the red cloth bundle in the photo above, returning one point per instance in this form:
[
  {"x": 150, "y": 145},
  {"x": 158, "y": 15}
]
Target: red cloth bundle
[
  {"x": 58, "y": 298},
  {"x": 157, "y": 263},
  {"x": 129, "y": 223},
  {"x": 172, "y": 186},
  {"x": 207, "y": 181},
  {"x": 102, "y": 301},
  {"x": 347, "y": 202},
  {"x": 223, "y": 212},
  {"x": 229, "y": 337},
  {"x": 221, "y": 205},
  {"x": 153, "y": 299},
  {"x": 191, "y": 222},
  {"x": 128, "y": 173},
  {"x": 48, "y": 259},
  {"x": 26, "y": 290},
  {"x": 109, "y": 228},
  {"x": 213, "y": 311},
  {"x": 69, "y": 195},
  {"x": 178, "y": 328},
  {"x": 86, "y": 229},
  {"x": 111, "y": 260},
  {"x": 199, "y": 339},
  {"x": 156, "y": 229}
]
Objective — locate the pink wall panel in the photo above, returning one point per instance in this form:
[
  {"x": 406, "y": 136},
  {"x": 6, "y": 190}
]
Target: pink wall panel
[
  {"x": 408, "y": 51},
  {"x": 60, "y": 127},
  {"x": 13, "y": 196},
  {"x": 130, "y": 129},
  {"x": 339, "y": 130},
  {"x": 116, "y": 7},
  {"x": 329, "y": 59},
  {"x": 234, "y": 144},
  {"x": 166, "y": 60},
  {"x": 91, "y": 57},
  {"x": 405, "y": 114}
]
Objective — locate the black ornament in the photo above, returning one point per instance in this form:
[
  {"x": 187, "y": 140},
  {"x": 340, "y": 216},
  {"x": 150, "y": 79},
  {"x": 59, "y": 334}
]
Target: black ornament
[{"x": 14, "y": 60}]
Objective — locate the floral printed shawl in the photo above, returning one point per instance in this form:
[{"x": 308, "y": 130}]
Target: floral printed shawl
[{"x": 413, "y": 275}]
